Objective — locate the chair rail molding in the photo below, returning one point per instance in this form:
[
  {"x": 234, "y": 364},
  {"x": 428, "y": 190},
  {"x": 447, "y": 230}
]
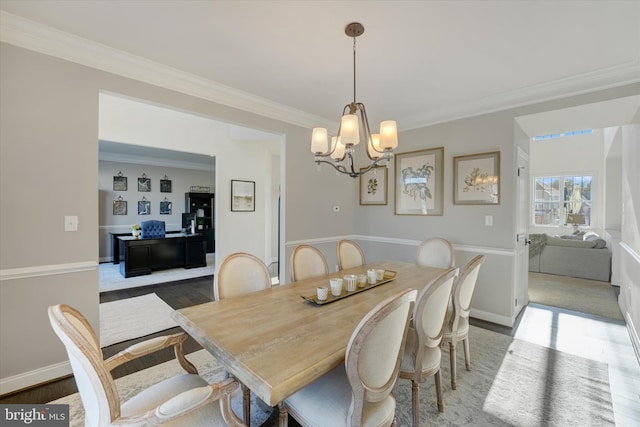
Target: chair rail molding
[
  {"x": 46, "y": 270},
  {"x": 407, "y": 242}
]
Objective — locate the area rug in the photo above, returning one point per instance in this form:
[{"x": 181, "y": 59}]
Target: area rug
[
  {"x": 512, "y": 383},
  {"x": 131, "y": 385},
  {"x": 110, "y": 278},
  {"x": 131, "y": 318},
  {"x": 586, "y": 296}
]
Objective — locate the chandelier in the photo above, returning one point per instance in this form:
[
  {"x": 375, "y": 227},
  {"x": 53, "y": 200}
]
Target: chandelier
[{"x": 354, "y": 127}]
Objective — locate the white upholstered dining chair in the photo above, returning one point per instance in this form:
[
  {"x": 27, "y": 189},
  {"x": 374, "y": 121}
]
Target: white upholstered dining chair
[
  {"x": 182, "y": 400},
  {"x": 359, "y": 392},
  {"x": 239, "y": 274},
  {"x": 349, "y": 254},
  {"x": 422, "y": 353},
  {"x": 436, "y": 252},
  {"x": 457, "y": 324},
  {"x": 307, "y": 262}
]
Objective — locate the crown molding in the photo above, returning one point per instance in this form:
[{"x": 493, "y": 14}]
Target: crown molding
[
  {"x": 618, "y": 75},
  {"x": 30, "y": 35},
  {"x": 154, "y": 161}
]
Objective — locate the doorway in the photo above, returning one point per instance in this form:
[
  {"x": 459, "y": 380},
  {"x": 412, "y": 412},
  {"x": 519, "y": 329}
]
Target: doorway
[
  {"x": 590, "y": 153},
  {"x": 168, "y": 138}
]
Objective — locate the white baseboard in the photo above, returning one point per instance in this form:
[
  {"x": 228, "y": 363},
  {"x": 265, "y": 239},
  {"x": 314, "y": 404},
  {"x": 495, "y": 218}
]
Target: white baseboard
[
  {"x": 35, "y": 377},
  {"x": 634, "y": 333},
  {"x": 492, "y": 317}
]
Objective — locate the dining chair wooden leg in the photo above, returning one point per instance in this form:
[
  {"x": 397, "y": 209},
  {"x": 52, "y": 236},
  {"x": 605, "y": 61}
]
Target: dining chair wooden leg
[
  {"x": 246, "y": 404},
  {"x": 415, "y": 397},
  {"x": 283, "y": 421},
  {"x": 452, "y": 363},
  {"x": 439, "y": 392},
  {"x": 467, "y": 355}
]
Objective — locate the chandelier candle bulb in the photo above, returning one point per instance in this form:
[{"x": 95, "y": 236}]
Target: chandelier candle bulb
[
  {"x": 338, "y": 149},
  {"x": 349, "y": 129},
  {"x": 319, "y": 140},
  {"x": 373, "y": 148},
  {"x": 388, "y": 134}
]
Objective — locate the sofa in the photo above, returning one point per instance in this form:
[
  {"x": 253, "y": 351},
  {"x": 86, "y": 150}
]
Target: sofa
[{"x": 583, "y": 255}]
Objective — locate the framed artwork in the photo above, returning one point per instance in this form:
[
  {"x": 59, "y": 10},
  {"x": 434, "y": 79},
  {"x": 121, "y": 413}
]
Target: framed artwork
[
  {"x": 373, "y": 186},
  {"x": 165, "y": 185},
  {"x": 120, "y": 207},
  {"x": 419, "y": 185},
  {"x": 476, "y": 179},
  {"x": 119, "y": 183},
  {"x": 144, "y": 207},
  {"x": 165, "y": 208},
  {"x": 144, "y": 183},
  {"x": 243, "y": 196}
]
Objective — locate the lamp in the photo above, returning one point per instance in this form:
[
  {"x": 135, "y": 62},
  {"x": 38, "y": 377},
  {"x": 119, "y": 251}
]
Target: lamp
[
  {"x": 575, "y": 220},
  {"x": 354, "y": 127}
]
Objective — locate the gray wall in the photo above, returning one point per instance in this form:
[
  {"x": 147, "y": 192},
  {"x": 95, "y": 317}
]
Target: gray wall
[{"x": 49, "y": 169}]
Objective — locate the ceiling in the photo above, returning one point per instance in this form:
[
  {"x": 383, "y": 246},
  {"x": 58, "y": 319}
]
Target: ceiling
[{"x": 418, "y": 62}]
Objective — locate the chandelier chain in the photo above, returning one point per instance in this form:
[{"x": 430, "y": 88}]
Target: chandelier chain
[{"x": 354, "y": 70}]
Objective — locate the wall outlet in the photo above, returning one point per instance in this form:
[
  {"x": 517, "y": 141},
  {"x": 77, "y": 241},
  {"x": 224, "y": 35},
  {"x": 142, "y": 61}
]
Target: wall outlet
[{"x": 71, "y": 223}]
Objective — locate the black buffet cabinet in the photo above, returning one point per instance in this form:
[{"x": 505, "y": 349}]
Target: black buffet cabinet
[{"x": 201, "y": 205}]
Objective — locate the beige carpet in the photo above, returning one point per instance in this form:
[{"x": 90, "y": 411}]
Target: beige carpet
[
  {"x": 131, "y": 318},
  {"x": 513, "y": 383},
  {"x": 110, "y": 278},
  {"x": 587, "y": 296}
]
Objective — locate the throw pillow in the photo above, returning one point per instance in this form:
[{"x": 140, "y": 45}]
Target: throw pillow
[
  {"x": 600, "y": 244},
  {"x": 590, "y": 235}
]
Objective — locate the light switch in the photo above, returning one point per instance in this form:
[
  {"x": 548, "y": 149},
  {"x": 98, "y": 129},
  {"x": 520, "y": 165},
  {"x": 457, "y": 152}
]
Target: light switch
[
  {"x": 488, "y": 220},
  {"x": 71, "y": 223}
]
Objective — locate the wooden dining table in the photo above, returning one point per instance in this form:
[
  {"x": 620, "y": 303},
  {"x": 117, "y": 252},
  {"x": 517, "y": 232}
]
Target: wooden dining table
[{"x": 275, "y": 343}]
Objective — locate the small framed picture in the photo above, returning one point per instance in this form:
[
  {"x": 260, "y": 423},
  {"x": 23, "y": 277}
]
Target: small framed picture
[
  {"x": 144, "y": 207},
  {"x": 476, "y": 179},
  {"x": 144, "y": 184},
  {"x": 165, "y": 186},
  {"x": 119, "y": 207},
  {"x": 419, "y": 185},
  {"x": 373, "y": 186},
  {"x": 119, "y": 183},
  {"x": 243, "y": 195},
  {"x": 165, "y": 208}
]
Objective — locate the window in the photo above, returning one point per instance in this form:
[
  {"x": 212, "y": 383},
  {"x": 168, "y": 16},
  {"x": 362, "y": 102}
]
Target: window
[
  {"x": 554, "y": 197},
  {"x": 562, "y": 135}
]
